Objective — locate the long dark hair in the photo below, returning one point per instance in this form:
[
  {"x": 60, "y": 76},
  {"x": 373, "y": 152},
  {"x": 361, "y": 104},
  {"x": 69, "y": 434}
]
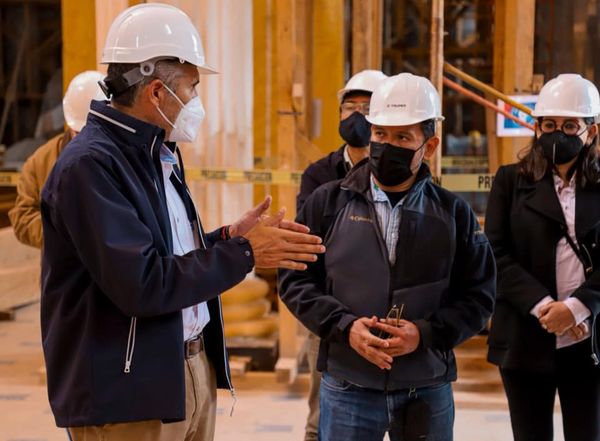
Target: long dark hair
[{"x": 534, "y": 166}]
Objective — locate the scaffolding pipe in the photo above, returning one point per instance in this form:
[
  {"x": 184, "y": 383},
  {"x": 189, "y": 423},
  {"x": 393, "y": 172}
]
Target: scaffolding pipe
[
  {"x": 484, "y": 87},
  {"x": 479, "y": 100}
]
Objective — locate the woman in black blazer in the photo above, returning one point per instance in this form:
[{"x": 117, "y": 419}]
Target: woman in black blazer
[{"x": 543, "y": 221}]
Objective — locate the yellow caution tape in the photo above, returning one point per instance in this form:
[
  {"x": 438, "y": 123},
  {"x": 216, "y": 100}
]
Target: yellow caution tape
[
  {"x": 468, "y": 182},
  {"x": 457, "y": 182},
  {"x": 271, "y": 177},
  {"x": 9, "y": 179},
  {"x": 464, "y": 161}
]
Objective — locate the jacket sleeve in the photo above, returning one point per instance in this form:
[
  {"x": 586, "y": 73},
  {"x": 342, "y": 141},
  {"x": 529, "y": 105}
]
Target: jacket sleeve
[
  {"x": 470, "y": 299},
  {"x": 309, "y": 182},
  {"x": 515, "y": 284},
  {"x": 304, "y": 292},
  {"x": 91, "y": 208},
  {"x": 25, "y": 216},
  {"x": 589, "y": 293}
]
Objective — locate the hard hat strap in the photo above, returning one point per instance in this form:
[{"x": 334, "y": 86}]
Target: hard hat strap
[{"x": 116, "y": 86}]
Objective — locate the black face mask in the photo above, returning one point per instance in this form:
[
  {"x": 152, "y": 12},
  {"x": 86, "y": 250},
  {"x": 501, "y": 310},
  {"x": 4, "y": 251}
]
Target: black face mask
[
  {"x": 391, "y": 164},
  {"x": 559, "y": 148},
  {"x": 356, "y": 130}
]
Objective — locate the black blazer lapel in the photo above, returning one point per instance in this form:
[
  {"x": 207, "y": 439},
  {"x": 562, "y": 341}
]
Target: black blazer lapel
[
  {"x": 542, "y": 198},
  {"x": 587, "y": 211}
]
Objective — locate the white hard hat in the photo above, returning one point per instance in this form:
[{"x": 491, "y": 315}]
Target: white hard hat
[
  {"x": 81, "y": 91},
  {"x": 404, "y": 99},
  {"x": 365, "y": 80},
  {"x": 568, "y": 95},
  {"x": 151, "y": 31}
]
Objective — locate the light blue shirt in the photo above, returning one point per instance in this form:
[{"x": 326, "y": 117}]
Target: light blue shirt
[
  {"x": 388, "y": 218},
  {"x": 196, "y": 317}
]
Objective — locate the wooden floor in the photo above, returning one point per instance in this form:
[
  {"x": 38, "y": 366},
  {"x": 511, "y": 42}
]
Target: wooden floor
[{"x": 265, "y": 411}]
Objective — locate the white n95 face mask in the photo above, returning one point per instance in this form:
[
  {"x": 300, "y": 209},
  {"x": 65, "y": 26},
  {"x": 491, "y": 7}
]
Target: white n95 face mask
[{"x": 187, "y": 124}]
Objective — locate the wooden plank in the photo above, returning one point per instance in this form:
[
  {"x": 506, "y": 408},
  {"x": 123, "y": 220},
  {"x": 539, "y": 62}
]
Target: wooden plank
[
  {"x": 286, "y": 151},
  {"x": 264, "y": 111},
  {"x": 513, "y": 61},
  {"x": 436, "y": 61},
  {"x": 286, "y": 370},
  {"x": 78, "y": 37},
  {"x": 327, "y": 75},
  {"x": 367, "y": 34}
]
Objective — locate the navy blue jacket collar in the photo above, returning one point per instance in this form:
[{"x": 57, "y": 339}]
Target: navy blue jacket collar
[{"x": 131, "y": 130}]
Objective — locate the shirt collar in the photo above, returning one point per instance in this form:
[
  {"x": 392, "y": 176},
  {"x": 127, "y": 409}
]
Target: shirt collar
[
  {"x": 377, "y": 193},
  {"x": 347, "y": 158},
  {"x": 559, "y": 184},
  {"x": 167, "y": 156}
]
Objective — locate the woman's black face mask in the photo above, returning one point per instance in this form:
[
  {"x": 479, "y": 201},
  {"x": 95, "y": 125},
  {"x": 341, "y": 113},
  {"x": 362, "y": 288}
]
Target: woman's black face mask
[{"x": 559, "y": 148}]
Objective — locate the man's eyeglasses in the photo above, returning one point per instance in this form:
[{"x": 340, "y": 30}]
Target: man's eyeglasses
[
  {"x": 569, "y": 127},
  {"x": 392, "y": 318},
  {"x": 350, "y": 107}
]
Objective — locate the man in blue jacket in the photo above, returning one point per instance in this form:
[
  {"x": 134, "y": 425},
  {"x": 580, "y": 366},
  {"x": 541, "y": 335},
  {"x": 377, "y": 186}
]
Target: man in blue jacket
[
  {"x": 407, "y": 275},
  {"x": 131, "y": 317}
]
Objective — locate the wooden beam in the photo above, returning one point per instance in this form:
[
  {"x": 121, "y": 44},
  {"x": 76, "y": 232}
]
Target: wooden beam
[
  {"x": 327, "y": 75},
  {"x": 285, "y": 28},
  {"x": 367, "y": 34},
  {"x": 436, "y": 62},
  {"x": 78, "y": 37},
  {"x": 264, "y": 90},
  {"x": 513, "y": 63}
]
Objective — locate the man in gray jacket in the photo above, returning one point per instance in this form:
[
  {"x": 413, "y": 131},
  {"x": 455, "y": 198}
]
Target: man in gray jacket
[{"x": 407, "y": 276}]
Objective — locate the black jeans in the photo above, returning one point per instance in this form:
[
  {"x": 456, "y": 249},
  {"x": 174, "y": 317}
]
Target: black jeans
[{"x": 531, "y": 397}]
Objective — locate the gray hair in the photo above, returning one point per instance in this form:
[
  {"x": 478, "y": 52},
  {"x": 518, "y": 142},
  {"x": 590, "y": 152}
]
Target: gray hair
[{"x": 167, "y": 70}]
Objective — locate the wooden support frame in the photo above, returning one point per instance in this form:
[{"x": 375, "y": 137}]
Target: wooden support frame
[
  {"x": 367, "y": 34},
  {"x": 79, "y": 37},
  {"x": 513, "y": 67},
  {"x": 285, "y": 28},
  {"x": 436, "y": 62}
]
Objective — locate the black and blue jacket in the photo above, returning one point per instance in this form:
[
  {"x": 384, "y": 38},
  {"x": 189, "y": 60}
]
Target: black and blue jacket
[
  {"x": 444, "y": 275},
  {"x": 112, "y": 290}
]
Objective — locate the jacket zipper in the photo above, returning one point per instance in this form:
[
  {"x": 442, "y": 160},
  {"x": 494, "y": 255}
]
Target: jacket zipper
[
  {"x": 391, "y": 267},
  {"x": 595, "y": 354},
  {"x": 130, "y": 345},
  {"x": 133, "y": 321}
]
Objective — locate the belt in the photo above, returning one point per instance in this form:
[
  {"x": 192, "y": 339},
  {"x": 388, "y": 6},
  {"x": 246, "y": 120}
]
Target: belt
[{"x": 193, "y": 346}]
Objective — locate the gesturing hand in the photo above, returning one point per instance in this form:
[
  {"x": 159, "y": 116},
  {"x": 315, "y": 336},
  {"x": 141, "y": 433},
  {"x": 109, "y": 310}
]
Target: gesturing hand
[
  {"x": 367, "y": 345},
  {"x": 252, "y": 217},
  {"x": 556, "y": 318},
  {"x": 282, "y": 244}
]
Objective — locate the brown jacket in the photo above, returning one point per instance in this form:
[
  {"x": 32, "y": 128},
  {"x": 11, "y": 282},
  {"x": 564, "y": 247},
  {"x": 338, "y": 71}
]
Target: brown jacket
[{"x": 25, "y": 216}]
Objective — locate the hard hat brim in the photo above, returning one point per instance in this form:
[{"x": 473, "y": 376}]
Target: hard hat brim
[
  {"x": 565, "y": 113},
  {"x": 392, "y": 121}
]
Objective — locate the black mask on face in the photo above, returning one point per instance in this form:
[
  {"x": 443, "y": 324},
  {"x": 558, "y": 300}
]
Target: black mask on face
[
  {"x": 559, "y": 148},
  {"x": 391, "y": 164},
  {"x": 356, "y": 130}
]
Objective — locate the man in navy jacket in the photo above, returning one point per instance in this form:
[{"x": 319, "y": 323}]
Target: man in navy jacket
[{"x": 131, "y": 317}]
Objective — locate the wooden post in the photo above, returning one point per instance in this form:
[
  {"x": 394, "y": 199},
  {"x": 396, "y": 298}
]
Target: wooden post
[
  {"x": 78, "y": 37},
  {"x": 287, "y": 158},
  {"x": 437, "y": 69},
  {"x": 513, "y": 64},
  {"x": 367, "y": 34}
]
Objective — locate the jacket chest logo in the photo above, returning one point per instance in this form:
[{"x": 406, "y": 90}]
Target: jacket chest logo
[{"x": 355, "y": 218}]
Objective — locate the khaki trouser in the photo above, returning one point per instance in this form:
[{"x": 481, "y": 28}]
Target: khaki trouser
[
  {"x": 312, "y": 422},
  {"x": 200, "y": 410}
]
